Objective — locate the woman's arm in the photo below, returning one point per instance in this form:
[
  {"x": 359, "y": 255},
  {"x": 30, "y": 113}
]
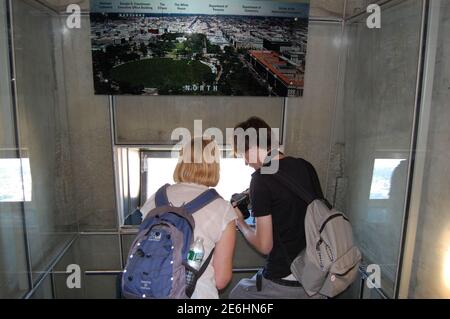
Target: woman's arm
[
  {"x": 260, "y": 237},
  {"x": 223, "y": 256}
]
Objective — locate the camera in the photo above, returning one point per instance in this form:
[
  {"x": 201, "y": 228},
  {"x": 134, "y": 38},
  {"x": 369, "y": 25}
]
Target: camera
[{"x": 242, "y": 201}]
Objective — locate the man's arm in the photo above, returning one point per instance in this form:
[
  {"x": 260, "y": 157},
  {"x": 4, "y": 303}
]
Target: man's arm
[{"x": 260, "y": 237}]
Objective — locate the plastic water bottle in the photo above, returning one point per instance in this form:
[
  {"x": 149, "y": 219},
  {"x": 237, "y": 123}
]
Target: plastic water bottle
[{"x": 195, "y": 258}]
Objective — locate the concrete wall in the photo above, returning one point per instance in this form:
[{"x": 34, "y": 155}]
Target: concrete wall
[
  {"x": 326, "y": 8},
  {"x": 144, "y": 120},
  {"x": 310, "y": 119},
  {"x": 90, "y": 136},
  {"x": 431, "y": 271}
]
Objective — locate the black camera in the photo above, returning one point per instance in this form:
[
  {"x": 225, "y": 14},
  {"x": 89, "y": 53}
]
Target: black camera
[{"x": 242, "y": 201}]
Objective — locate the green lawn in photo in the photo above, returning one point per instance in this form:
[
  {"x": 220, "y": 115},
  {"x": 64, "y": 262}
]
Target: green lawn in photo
[{"x": 163, "y": 72}]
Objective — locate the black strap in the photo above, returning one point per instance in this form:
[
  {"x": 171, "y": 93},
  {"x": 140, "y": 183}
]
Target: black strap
[
  {"x": 298, "y": 189},
  {"x": 197, "y": 274},
  {"x": 301, "y": 192},
  {"x": 205, "y": 264},
  {"x": 314, "y": 178},
  {"x": 259, "y": 279}
]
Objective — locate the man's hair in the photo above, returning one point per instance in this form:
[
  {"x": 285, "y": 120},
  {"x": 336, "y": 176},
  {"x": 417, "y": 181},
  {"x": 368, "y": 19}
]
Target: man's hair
[{"x": 255, "y": 124}]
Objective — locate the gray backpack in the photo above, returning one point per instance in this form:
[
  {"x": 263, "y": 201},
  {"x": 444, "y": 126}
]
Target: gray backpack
[{"x": 330, "y": 262}]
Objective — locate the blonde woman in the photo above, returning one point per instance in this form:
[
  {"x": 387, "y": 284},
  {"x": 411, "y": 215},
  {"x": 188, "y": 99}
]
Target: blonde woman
[{"x": 197, "y": 170}]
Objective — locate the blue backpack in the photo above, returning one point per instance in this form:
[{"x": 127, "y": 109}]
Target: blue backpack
[{"x": 157, "y": 261}]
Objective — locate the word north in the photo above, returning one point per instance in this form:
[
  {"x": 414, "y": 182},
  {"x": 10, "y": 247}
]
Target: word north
[{"x": 200, "y": 88}]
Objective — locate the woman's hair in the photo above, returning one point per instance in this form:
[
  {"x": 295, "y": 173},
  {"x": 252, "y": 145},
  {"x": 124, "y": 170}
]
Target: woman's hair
[{"x": 198, "y": 163}]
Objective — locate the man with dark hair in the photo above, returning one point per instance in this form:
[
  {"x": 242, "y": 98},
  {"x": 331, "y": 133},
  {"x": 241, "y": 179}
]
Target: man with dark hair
[
  {"x": 256, "y": 125},
  {"x": 279, "y": 232}
]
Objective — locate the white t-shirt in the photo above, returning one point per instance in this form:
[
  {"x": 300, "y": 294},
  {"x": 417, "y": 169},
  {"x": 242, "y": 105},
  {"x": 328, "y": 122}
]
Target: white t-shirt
[{"x": 210, "y": 223}]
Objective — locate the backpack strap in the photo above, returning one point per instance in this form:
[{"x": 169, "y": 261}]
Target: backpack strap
[
  {"x": 316, "y": 182},
  {"x": 298, "y": 189},
  {"x": 314, "y": 178},
  {"x": 294, "y": 186},
  {"x": 161, "y": 196},
  {"x": 201, "y": 201},
  {"x": 198, "y": 273},
  {"x": 196, "y": 204}
]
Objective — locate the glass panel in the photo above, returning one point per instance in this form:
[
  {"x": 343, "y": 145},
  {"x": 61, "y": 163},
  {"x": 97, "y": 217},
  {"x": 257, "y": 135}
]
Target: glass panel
[
  {"x": 60, "y": 276},
  {"x": 92, "y": 253},
  {"x": 93, "y": 287},
  {"x": 13, "y": 262},
  {"x": 43, "y": 131},
  {"x": 6, "y": 119},
  {"x": 352, "y": 292},
  {"x": 379, "y": 100},
  {"x": 431, "y": 263},
  {"x": 99, "y": 252},
  {"x": 45, "y": 289},
  {"x": 369, "y": 293}
]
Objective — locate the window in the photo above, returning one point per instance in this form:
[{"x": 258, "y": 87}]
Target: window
[
  {"x": 387, "y": 189},
  {"x": 235, "y": 176},
  {"x": 15, "y": 180},
  {"x": 383, "y": 174},
  {"x": 141, "y": 172}
]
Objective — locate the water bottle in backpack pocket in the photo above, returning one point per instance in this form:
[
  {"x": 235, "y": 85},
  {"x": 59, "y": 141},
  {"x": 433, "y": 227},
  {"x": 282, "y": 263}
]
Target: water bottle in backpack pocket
[{"x": 158, "y": 266}]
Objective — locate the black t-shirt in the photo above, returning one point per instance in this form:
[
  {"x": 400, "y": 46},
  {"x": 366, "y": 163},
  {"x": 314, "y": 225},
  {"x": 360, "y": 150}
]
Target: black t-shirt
[{"x": 270, "y": 197}]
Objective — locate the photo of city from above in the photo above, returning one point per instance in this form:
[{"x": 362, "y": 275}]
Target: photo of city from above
[{"x": 232, "y": 55}]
